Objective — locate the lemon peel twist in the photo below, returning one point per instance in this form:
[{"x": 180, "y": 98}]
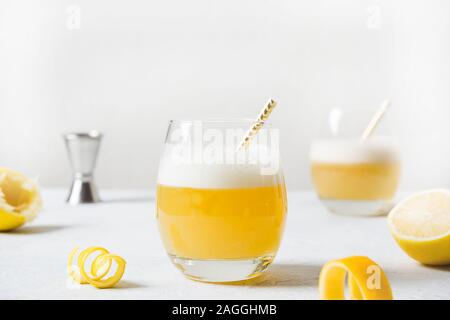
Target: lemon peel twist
[
  {"x": 366, "y": 280},
  {"x": 99, "y": 269}
]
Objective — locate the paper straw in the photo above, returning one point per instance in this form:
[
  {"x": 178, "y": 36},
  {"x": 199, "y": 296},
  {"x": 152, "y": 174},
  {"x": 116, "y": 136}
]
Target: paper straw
[
  {"x": 258, "y": 124},
  {"x": 375, "y": 120}
]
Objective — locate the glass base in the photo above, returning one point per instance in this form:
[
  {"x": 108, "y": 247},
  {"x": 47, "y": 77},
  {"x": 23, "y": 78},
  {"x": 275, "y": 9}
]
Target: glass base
[
  {"x": 358, "y": 207},
  {"x": 226, "y": 270}
]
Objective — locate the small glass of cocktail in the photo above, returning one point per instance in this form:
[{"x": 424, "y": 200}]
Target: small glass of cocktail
[
  {"x": 221, "y": 209},
  {"x": 355, "y": 178},
  {"x": 355, "y": 175}
]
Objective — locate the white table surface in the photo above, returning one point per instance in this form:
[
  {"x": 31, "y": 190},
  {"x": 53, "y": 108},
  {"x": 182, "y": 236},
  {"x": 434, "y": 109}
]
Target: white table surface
[{"x": 33, "y": 258}]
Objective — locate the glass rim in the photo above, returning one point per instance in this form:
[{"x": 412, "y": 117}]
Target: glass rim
[{"x": 217, "y": 121}]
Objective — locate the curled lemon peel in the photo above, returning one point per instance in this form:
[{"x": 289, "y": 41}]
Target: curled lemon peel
[
  {"x": 99, "y": 269},
  {"x": 366, "y": 280},
  {"x": 83, "y": 257},
  {"x": 100, "y": 266},
  {"x": 73, "y": 271}
]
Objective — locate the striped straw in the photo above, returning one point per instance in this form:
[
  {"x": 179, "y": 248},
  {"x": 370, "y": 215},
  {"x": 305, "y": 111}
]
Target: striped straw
[{"x": 258, "y": 124}]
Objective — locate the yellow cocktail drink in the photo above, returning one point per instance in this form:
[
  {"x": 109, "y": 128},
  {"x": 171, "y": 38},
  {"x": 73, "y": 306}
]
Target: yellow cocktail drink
[
  {"x": 229, "y": 223},
  {"x": 220, "y": 222},
  {"x": 220, "y": 205},
  {"x": 355, "y": 177},
  {"x": 355, "y": 181}
]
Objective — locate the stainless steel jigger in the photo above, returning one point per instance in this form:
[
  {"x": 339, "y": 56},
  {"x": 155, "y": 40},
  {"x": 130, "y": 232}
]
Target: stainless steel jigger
[{"x": 83, "y": 150}]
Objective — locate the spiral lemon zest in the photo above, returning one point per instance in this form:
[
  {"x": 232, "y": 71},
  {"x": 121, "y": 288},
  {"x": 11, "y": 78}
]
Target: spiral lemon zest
[
  {"x": 99, "y": 268},
  {"x": 72, "y": 270}
]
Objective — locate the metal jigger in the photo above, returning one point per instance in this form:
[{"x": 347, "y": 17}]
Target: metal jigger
[{"x": 83, "y": 150}]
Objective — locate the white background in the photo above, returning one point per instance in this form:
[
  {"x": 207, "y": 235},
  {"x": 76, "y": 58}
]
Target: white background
[{"x": 127, "y": 67}]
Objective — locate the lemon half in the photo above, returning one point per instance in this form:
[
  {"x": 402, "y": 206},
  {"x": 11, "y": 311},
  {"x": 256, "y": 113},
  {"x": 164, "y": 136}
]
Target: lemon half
[
  {"x": 20, "y": 201},
  {"x": 421, "y": 226}
]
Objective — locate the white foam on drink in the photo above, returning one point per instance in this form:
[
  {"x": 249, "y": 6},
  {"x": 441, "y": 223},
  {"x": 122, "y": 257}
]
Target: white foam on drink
[
  {"x": 176, "y": 173},
  {"x": 352, "y": 151},
  {"x": 214, "y": 176}
]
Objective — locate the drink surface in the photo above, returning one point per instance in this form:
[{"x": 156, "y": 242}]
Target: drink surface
[
  {"x": 353, "y": 170},
  {"x": 220, "y": 211}
]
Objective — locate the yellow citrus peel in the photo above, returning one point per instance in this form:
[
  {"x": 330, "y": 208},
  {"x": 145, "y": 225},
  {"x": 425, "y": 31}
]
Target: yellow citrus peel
[
  {"x": 99, "y": 269},
  {"x": 366, "y": 280}
]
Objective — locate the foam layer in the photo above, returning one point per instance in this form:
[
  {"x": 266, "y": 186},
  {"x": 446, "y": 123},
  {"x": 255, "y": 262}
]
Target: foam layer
[
  {"x": 218, "y": 167},
  {"x": 214, "y": 176},
  {"x": 352, "y": 151}
]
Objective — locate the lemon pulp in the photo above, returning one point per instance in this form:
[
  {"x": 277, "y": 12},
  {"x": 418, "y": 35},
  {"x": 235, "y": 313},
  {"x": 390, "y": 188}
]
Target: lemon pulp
[
  {"x": 20, "y": 201},
  {"x": 420, "y": 225}
]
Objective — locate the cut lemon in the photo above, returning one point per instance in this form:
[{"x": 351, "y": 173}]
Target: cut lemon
[
  {"x": 20, "y": 201},
  {"x": 366, "y": 280},
  {"x": 100, "y": 267},
  {"x": 421, "y": 226}
]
